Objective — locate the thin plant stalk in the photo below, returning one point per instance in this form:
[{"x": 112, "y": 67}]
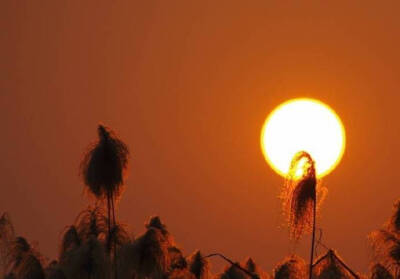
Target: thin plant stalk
[{"x": 312, "y": 240}]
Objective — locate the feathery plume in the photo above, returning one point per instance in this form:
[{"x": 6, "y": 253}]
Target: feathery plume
[
  {"x": 394, "y": 222},
  {"x": 176, "y": 258},
  {"x": 104, "y": 165},
  {"x": 91, "y": 222},
  {"x": 54, "y": 271},
  {"x": 378, "y": 271},
  {"x": 252, "y": 267},
  {"x": 299, "y": 194},
  {"x": 30, "y": 268},
  {"x": 233, "y": 272},
  {"x": 386, "y": 246},
  {"x": 103, "y": 169},
  {"x": 19, "y": 249},
  {"x": 331, "y": 266},
  {"x": 7, "y": 237},
  {"x": 117, "y": 237},
  {"x": 292, "y": 267},
  {"x": 70, "y": 240},
  {"x": 199, "y": 266},
  {"x": 155, "y": 222},
  {"x": 151, "y": 255},
  {"x": 300, "y": 199},
  {"x": 87, "y": 261},
  {"x": 386, "y": 242}
]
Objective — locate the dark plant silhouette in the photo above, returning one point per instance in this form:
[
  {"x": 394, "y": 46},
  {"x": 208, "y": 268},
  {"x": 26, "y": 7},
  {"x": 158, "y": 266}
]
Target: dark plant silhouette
[
  {"x": 299, "y": 194},
  {"x": 92, "y": 222},
  {"x": 233, "y": 272},
  {"x": 97, "y": 246},
  {"x": 180, "y": 274},
  {"x": 125, "y": 259},
  {"x": 176, "y": 258},
  {"x": 386, "y": 242},
  {"x": 19, "y": 249},
  {"x": 118, "y": 237},
  {"x": 70, "y": 241},
  {"x": 292, "y": 267},
  {"x": 151, "y": 255},
  {"x": 235, "y": 265},
  {"x": 378, "y": 271},
  {"x": 24, "y": 261},
  {"x": 7, "y": 237},
  {"x": 394, "y": 221},
  {"x": 331, "y": 266},
  {"x": 88, "y": 261},
  {"x": 54, "y": 271},
  {"x": 103, "y": 169},
  {"x": 10, "y": 276},
  {"x": 252, "y": 267},
  {"x": 199, "y": 266},
  {"x": 300, "y": 199},
  {"x": 155, "y": 222},
  {"x": 83, "y": 246},
  {"x": 30, "y": 268}
]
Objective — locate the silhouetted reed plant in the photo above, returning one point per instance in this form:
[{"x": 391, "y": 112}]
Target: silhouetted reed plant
[
  {"x": 300, "y": 199},
  {"x": 379, "y": 271},
  {"x": 248, "y": 269},
  {"x": 299, "y": 195},
  {"x": 199, "y": 266},
  {"x": 103, "y": 169},
  {"x": 23, "y": 261},
  {"x": 331, "y": 266},
  {"x": 386, "y": 242},
  {"x": 293, "y": 267},
  {"x": 7, "y": 236}
]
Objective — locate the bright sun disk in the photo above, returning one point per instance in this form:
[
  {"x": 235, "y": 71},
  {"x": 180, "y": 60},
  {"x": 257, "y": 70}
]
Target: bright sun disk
[{"x": 303, "y": 125}]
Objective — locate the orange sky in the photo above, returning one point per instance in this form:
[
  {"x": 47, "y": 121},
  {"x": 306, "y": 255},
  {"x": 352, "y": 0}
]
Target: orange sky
[{"x": 188, "y": 86}]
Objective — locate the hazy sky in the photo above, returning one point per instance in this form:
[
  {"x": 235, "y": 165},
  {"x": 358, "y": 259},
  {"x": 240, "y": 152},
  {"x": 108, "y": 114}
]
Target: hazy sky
[{"x": 188, "y": 85}]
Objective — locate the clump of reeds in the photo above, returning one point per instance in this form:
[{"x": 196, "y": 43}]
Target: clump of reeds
[
  {"x": 292, "y": 267},
  {"x": 24, "y": 261},
  {"x": 176, "y": 258},
  {"x": 150, "y": 251},
  {"x": 233, "y": 272},
  {"x": 386, "y": 242},
  {"x": 379, "y": 271},
  {"x": 54, "y": 271},
  {"x": 91, "y": 222},
  {"x": 7, "y": 236},
  {"x": 331, "y": 266},
  {"x": 199, "y": 266},
  {"x": 253, "y": 268}
]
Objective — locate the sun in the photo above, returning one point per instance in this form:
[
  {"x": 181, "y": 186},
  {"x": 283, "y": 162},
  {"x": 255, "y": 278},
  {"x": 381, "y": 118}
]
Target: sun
[{"x": 303, "y": 125}]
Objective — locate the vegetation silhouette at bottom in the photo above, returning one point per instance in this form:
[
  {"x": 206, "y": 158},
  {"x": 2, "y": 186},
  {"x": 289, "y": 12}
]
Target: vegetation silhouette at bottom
[{"x": 96, "y": 245}]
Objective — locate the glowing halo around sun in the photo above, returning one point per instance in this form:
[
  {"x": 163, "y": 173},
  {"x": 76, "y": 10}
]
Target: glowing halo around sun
[{"x": 303, "y": 125}]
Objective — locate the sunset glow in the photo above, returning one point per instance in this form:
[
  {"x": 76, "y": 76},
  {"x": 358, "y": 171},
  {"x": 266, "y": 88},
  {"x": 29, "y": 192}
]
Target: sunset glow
[{"x": 303, "y": 125}]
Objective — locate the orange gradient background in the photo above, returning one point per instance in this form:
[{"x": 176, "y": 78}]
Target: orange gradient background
[{"x": 188, "y": 86}]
